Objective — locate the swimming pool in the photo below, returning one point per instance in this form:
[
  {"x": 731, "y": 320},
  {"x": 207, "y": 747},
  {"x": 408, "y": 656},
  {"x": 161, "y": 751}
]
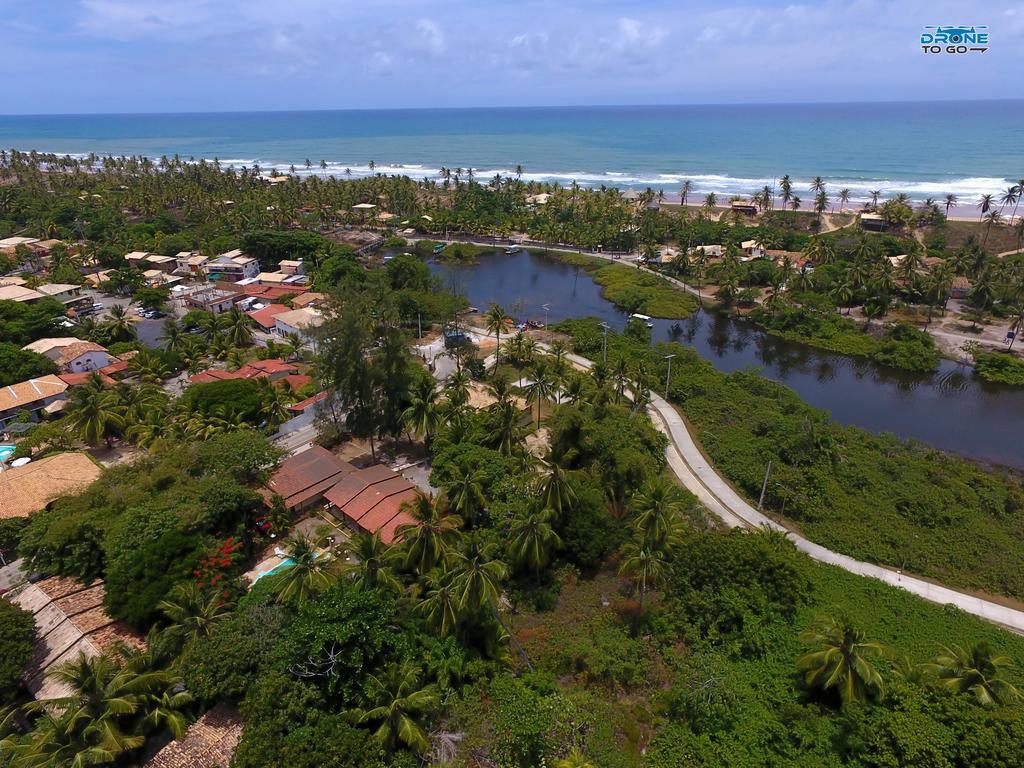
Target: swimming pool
[
  {"x": 6, "y": 451},
  {"x": 286, "y": 563}
]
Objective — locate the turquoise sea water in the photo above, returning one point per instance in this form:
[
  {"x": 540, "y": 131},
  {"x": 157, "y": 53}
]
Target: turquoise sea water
[{"x": 923, "y": 149}]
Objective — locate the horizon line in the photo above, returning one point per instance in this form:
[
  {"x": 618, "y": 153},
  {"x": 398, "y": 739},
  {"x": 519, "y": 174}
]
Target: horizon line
[{"x": 662, "y": 105}]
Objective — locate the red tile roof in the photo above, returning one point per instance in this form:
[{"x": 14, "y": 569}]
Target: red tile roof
[
  {"x": 269, "y": 291},
  {"x": 265, "y": 317},
  {"x": 77, "y": 379},
  {"x": 254, "y": 369},
  {"x": 304, "y": 404},
  {"x": 303, "y": 477},
  {"x": 372, "y": 499}
]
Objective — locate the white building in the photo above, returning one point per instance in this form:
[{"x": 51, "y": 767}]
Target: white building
[
  {"x": 233, "y": 266},
  {"x": 72, "y": 355},
  {"x": 299, "y": 321}
]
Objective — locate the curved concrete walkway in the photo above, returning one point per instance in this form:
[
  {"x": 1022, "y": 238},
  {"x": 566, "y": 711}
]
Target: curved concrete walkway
[{"x": 700, "y": 478}]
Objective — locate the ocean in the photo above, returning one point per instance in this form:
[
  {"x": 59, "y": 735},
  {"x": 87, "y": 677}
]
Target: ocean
[{"x": 923, "y": 149}]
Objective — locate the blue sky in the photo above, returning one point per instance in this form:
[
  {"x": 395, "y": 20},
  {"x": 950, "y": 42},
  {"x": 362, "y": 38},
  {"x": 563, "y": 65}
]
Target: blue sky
[{"x": 70, "y": 56}]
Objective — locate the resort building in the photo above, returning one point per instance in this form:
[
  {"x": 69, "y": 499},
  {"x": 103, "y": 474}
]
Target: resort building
[
  {"x": 302, "y": 479},
  {"x": 29, "y": 489},
  {"x": 210, "y": 742},
  {"x": 19, "y": 293},
  {"x": 71, "y": 354},
  {"x": 264, "y": 317},
  {"x": 299, "y": 321},
  {"x": 752, "y": 250},
  {"x": 371, "y": 500},
  {"x": 215, "y": 300},
  {"x": 70, "y": 622},
  {"x": 232, "y": 266},
  {"x": 190, "y": 264},
  {"x": 40, "y": 396}
]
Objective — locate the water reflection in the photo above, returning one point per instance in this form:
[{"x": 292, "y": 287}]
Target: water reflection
[{"x": 949, "y": 409}]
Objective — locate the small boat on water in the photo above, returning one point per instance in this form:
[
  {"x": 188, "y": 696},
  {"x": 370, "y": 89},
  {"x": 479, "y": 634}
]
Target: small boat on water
[
  {"x": 645, "y": 319},
  {"x": 438, "y": 248},
  {"x": 512, "y": 249}
]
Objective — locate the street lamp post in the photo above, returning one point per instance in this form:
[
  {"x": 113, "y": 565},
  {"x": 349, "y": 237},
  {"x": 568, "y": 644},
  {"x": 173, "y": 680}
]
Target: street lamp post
[
  {"x": 668, "y": 374},
  {"x": 604, "y": 350}
]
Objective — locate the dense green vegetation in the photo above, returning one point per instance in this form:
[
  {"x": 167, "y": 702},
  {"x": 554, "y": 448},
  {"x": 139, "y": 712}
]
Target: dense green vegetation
[
  {"x": 873, "y": 497},
  {"x": 17, "y": 635},
  {"x": 18, "y": 364},
  {"x": 999, "y": 367},
  {"x": 23, "y": 323},
  {"x": 633, "y": 290}
]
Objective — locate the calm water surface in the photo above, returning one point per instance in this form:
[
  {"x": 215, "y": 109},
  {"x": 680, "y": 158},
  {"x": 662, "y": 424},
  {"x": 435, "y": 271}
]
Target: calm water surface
[{"x": 949, "y": 409}]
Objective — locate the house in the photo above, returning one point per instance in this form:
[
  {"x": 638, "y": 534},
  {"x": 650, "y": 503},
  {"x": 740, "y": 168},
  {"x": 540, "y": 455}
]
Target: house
[
  {"x": 274, "y": 369},
  {"x": 795, "y": 258},
  {"x": 873, "y": 221},
  {"x": 301, "y": 480},
  {"x": 268, "y": 293},
  {"x": 28, "y": 489},
  {"x": 66, "y": 293},
  {"x": 70, "y": 622},
  {"x": 299, "y": 321},
  {"x": 960, "y": 287},
  {"x": 163, "y": 263},
  {"x": 97, "y": 278},
  {"x": 264, "y": 317},
  {"x": 19, "y": 293},
  {"x": 752, "y": 249},
  {"x": 136, "y": 258},
  {"x": 541, "y": 199},
  {"x": 292, "y": 267},
  {"x": 12, "y": 280},
  {"x": 8, "y": 244},
  {"x": 371, "y": 500},
  {"x": 309, "y": 299},
  {"x": 215, "y": 300},
  {"x": 189, "y": 264},
  {"x": 35, "y": 396},
  {"x": 232, "y": 266},
  {"x": 71, "y": 354},
  {"x": 711, "y": 250},
  {"x": 210, "y": 742},
  {"x": 746, "y": 207}
]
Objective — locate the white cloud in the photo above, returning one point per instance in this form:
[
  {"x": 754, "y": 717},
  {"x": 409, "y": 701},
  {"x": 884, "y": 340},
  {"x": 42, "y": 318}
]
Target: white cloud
[{"x": 430, "y": 36}]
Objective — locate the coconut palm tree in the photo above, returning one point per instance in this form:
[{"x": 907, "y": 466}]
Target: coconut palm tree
[
  {"x": 505, "y": 436},
  {"x": 541, "y": 386},
  {"x": 118, "y": 324},
  {"x": 575, "y": 759},
  {"x": 441, "y": 607},
  {"x": 552, "y": 486},
  {"x": 274, "y": 402},
  {"x": 532, "y": 540},
  {"x": 465, "y": 492},
  {"x": 428, "y": 541},
  {"x": 840, "y": 659},
  {"x": 494, "y": 320},
  {"x": 399, "y": 701},
  {"x": 423, "y": 414},
  {"x": 977, "y": 670},
  {"x": 992, "y": 217},
  {"x": 984, "y": 205},
  {"x": 645, "y": 565},
  {"x": 844, "y": 197},
  {"x": 370, "y": 562},
  {"x": 173, "y": 337},
  {"x": 684, "y": 191},
  {"x": 193, "y": 612},
  {"x": 237, "y": 327},
  {"x": 658, "y": 509},
  {"x": 785, "y": 190},
  {"x": 93, "y": 412},
  {"x": 311, "y": 570},
  {"x": 950, "y": 202}
]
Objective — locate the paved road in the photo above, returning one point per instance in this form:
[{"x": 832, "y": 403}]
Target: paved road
[{"x": 700, "y": 477}]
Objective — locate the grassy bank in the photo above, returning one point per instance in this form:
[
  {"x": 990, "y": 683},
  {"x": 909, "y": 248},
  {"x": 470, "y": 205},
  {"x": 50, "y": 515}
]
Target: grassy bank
[
  {"x": 874, "y": 497},
  {"x": 897, "y": 345},
  {"x": 453, "y": 253},
  {"x": 631, "y": 289}
]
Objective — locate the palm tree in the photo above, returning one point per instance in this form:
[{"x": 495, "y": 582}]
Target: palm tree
[
  {"x": 844, "y": 197},
  {"x": 310, "y": 571},
  {"x": 237, "y": 327},
  {"x": 992, "y": 217},
  {"x": 174, "y": 338},
  {"x": 552, "y": 486},
  {"x": 575, "y": 759},
  {"x": 541, "y": 386},
  {"x": 118, "y": 324},
  {"x": 684, "y": 191},
  {"x": 645, "y": 565},
  {"x": 532, "y": 540},
  {"x": 465, "y": 492},
  {"x": 399, "y": 701},
  {"x": 786, "y": 190},
  {"x": 495, "y": 322},
  {"x": 441, "y": 607},
  {"x": 658, "y": 508},
  {"x": 951, "y": 201},
  {"x": 505, "y": 436},
  {"x": 93, "y": 412},
  {"x": 428, "y": 541},
  {"x": 984, "y": 204},
  {"x": 193, "y": 612},
  {"x": 370, "y": 562},
  {"x": 423, "y": 415},
  {"x": 976, "y": 670},
  {"x": 840, "y": 659},
  {"x": 274, "y": 402}
]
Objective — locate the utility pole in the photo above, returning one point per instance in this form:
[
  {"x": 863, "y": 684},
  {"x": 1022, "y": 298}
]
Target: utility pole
[
  {"x": 419, "y": 326},
  {"x": 604, "y": 351},
  {"x": 668, "y": 374},
  {"x": 764, "y": 485}
]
